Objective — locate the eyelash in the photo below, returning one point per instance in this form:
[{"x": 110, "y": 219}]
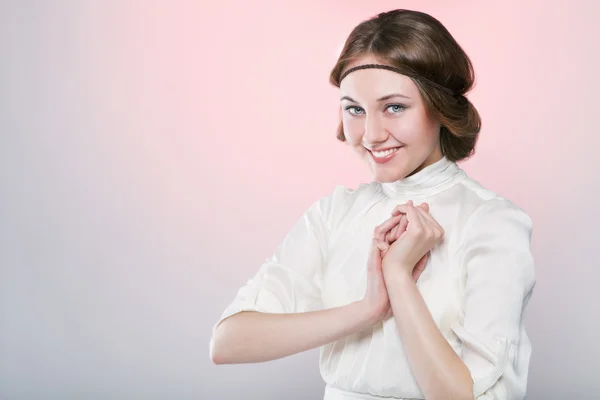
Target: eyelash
[{"x": 402, "y": 108}]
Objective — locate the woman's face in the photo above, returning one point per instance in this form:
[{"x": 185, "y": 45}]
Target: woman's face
[{"x": 381, "y": 110}]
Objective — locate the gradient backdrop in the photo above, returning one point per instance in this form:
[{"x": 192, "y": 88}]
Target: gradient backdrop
[{"x": 153, "y": 154}]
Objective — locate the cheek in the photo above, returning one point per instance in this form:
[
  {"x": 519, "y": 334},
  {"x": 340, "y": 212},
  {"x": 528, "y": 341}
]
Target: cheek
[
  {"x": 414, "y": 128},
  {"x": 429, "y": 126},
  {"x": 353, "y": 130}
]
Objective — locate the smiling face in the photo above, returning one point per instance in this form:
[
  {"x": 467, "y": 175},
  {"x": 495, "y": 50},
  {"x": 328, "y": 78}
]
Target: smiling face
[{"x": 382, "y": 110}]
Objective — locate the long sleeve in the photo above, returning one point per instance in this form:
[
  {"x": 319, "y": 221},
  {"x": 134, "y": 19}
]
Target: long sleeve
[
  {"x": 498, "y": 280},
  {"x": 289, "y": 281}
]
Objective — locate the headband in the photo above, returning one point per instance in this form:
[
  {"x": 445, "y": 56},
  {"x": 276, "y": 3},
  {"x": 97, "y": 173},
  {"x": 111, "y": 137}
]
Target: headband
[{"x": 400, "y": 71}]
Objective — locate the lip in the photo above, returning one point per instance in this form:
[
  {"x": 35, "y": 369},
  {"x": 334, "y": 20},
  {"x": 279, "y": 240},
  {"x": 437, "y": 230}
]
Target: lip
[{"x": 383, "y": 160}]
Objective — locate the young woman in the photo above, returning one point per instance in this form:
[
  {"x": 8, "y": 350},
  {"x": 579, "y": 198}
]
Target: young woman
[{"x": 413, "y": 285}]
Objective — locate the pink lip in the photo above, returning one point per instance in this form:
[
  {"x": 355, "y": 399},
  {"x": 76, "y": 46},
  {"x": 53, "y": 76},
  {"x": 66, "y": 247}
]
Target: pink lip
[{"x": 383, "y": 160}]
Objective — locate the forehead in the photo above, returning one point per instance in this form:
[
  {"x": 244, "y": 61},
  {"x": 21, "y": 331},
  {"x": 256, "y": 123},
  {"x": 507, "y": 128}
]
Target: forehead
[{"x": 372, "y": 83}]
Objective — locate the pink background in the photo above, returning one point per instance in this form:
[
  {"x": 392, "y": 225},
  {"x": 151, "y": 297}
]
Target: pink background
[{"x": 153, "y": 154}]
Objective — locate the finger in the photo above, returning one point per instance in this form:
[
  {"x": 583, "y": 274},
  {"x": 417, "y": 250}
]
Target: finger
[
  {"x": 400, "y": 209},
  {"x": 375, "y": 254},
  {"x": 389, "y": 237},
  {"x": 424, "y": 221},
  {"x": 414, "y": 221},
  {"x": 382, "y": 229},
  {"x": 433, "y": 222},
  {"x": 432, "y": 231},
  {"x": 382, "y": 246},
  {"x": 401, "y": 227}
]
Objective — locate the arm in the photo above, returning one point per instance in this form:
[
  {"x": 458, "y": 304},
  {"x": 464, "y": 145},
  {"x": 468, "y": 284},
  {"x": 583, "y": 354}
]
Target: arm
[
  {"x": 279, "y": 311},
  {"x": 440, "y": 372},
  {"x": 497, "y": 280},
  {"x": 250, "y": 337},
  {"x": 258, "y": 336}
]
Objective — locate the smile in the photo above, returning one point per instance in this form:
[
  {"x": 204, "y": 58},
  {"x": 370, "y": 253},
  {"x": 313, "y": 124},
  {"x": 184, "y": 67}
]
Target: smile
[{"x": 381, "y": 157}]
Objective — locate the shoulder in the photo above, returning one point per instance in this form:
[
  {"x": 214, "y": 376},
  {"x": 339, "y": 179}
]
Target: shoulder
[
  {"x": 484, "y": 206},
  {"x": 496, "y": 236},
  {"x": 493, "y": 224}
]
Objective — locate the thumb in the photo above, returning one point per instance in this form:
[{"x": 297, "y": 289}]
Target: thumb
[{"x": 375, "y": 254}]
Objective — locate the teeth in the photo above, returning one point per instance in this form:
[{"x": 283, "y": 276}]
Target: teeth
[{"x": 384, "y": 153}]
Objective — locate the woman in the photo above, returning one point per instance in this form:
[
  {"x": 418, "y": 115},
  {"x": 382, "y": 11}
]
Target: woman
[{"x": 414, "y": 285}]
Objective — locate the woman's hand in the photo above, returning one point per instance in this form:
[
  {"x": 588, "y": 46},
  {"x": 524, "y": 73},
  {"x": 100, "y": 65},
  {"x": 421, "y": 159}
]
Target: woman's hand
[
  {"x": 376, "y": 297},
  {"x": 384, "y": 235},
  {"x": 409, "y": 253},
  {"x": 398, "y": 230}
]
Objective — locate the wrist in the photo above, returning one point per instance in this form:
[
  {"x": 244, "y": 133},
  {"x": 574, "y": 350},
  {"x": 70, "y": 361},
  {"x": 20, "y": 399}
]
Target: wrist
[
  {"x": 367, "y": 313},
  {"x": 395, "y": 272}
]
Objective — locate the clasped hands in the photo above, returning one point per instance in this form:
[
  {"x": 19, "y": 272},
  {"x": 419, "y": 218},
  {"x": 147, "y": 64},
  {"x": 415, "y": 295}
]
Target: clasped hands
[{"x": 400, "y": 248}]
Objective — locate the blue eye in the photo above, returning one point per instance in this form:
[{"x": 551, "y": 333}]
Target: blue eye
[
  {"x": 357, "y": 110},
  {"x": 395, "y": 108}
]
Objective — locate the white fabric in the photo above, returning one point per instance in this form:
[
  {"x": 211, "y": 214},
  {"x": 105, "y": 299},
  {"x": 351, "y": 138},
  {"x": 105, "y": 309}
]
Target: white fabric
[{"x": 477, "y": 283}]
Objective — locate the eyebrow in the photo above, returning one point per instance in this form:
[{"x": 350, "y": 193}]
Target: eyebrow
[{"x": 389, "y": 96}]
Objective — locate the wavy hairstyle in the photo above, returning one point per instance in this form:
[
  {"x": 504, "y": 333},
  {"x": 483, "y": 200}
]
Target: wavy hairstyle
[{"x": 419, "y": 44}]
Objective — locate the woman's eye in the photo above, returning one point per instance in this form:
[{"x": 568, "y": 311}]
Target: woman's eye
[
  {"x": 395, "y": 108},
  {"x": 354, "y": 110}
]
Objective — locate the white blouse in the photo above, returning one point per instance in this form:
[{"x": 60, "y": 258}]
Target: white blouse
[{"x": 477, "y": 283}]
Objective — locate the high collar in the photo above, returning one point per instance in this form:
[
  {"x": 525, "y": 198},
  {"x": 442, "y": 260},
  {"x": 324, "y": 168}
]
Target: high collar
[{"x": 430, "y": 180}]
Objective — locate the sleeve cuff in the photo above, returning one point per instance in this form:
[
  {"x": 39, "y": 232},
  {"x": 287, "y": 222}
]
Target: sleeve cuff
[
  {"x": 235, "y": 309},
  {"x": 489, "y": 365}
]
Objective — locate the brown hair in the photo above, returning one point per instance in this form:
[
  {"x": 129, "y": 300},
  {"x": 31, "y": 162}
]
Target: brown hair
[{"x": 419, "y": 44}]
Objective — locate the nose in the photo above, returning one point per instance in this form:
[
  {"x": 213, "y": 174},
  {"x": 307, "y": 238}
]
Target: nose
[{"x": 374, "y": 130}]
